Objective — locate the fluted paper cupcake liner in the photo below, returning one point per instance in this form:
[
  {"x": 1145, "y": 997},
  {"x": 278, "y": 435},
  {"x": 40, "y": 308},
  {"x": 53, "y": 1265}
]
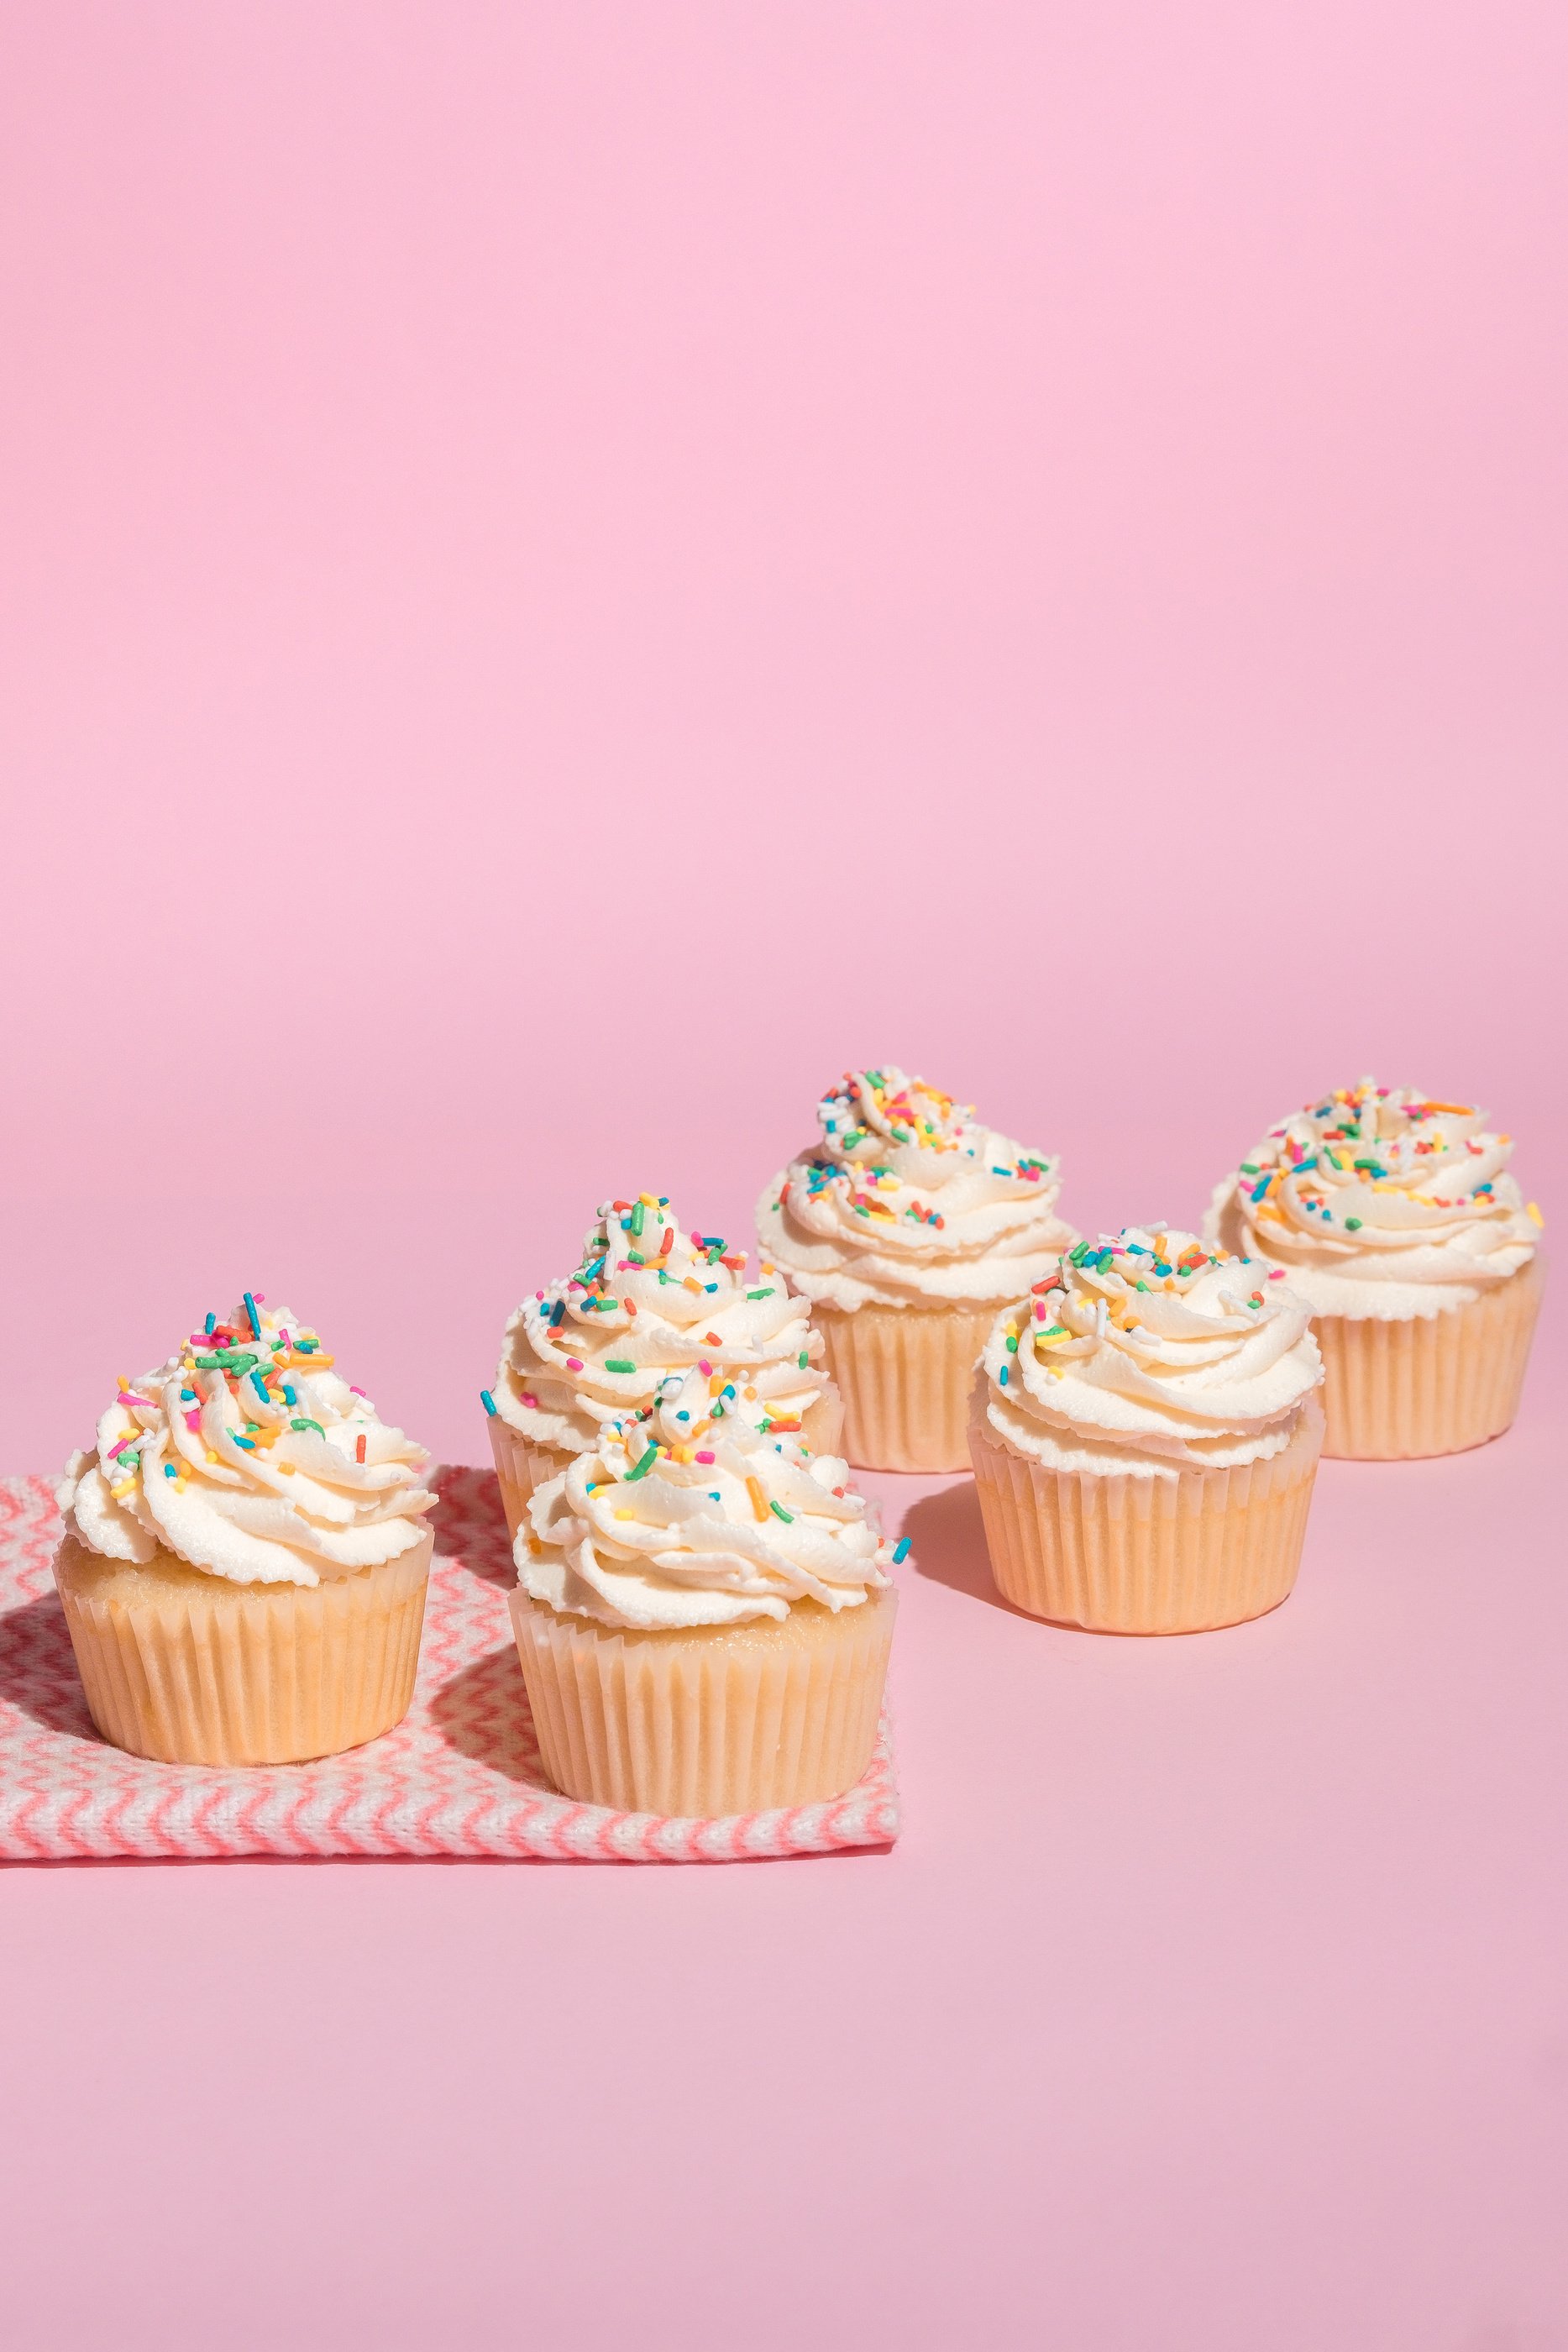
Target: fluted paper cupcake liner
[
  {"x": 713, "y": 1719},
  {"x": 191, "y": 1669},
  {"x": 1432, "y": 1383},
  {"x": 905, "y": 1374},
  {"x": 1120, "y": 1554},
  {"x": 521, "y": 1467}
]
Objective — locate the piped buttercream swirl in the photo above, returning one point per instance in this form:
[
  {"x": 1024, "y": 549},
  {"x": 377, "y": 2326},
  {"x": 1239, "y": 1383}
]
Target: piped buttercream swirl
[
  {"x": 1381, "y": 1202},
  {"x": 1150, "y": 1352},
  {"x": 648, "y": 1301},
  {"x": 689, "y": 1515},
  {"x": 248, "y": 1456},
  {"x": 909, "y": 1201}
]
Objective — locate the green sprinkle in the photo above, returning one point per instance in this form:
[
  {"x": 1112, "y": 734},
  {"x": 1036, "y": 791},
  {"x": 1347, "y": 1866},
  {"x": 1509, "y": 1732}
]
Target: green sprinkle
[
  {"x": 619, "y": 1364},
  {"x": 1012, "y": 1343},
  {"x": 1353, "y": 1225},
  {"x": 638, "y": 1213},
  {"x": 1250, "y": 1168},
  {"x": 645, "y": 1461},
  {"x": 804, "y": 1359},
  {"x": 303, "y": 1423},
  {"x": 780, "y": 1513},
  {"x": 760, "y": 1294}
]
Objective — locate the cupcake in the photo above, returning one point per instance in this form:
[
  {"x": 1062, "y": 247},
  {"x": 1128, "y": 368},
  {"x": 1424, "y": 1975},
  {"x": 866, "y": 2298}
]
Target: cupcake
[
  {"x": 245, "y": 1552},
  {"x": 702, "y": 1614},
  {"x": 906, "y": 1228},
  {"x": 1395, "y": 1219},
  {"x": 1144, "y": 1431},
  {"x": 647, "y": 1304}
]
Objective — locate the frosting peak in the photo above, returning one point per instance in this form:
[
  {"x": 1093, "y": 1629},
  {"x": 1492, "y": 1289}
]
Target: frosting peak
[
  {"x": 247, "y": 1456},
  {"x": 1382, "y": 1202},
  {"x": 689, "y": 1515},
  {"x": 908, "y": 1200},
  {"x": 649, "y": 1302},
  {"x": 1151, "y": 1350}
]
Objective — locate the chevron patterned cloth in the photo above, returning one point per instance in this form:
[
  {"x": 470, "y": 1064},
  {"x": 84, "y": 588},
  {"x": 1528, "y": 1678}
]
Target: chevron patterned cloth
[{"x": 460, "y": 1775}]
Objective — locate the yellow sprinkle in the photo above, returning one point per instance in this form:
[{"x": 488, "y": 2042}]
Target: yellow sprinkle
[
  {"x": 211, "y": 1456},
  {"x": 1531, "y": 1211},
  {"x": 716, "y": 1384},
  {"x": 625, "y": 1514},
  {"x": 120, "y": 1380},
  {"x": 286, "y": 1468},
  {"x": 759, "y": 1499},
  {"x": 649, "y": 1200},
  {"x": 690, "y": 1282},
  {"x": 119, "y": 1491}
]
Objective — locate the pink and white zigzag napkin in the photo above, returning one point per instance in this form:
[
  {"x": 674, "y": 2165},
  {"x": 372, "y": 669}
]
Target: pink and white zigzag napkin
[{"x": 460, "y": 1775}]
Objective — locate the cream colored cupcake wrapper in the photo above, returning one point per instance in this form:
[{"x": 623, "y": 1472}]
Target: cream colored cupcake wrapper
[
  {"x": 191, "y": 1669},
  {"x": 521, "y": 1467},
  {"x": 711, "y": 1720},
  {"x": 905, "y": 1374},
  {"x": 1122, "y": 1554},
  {"x": 1428, "y": 1383}
]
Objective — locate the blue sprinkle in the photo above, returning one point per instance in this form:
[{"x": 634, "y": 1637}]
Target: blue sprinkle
[
  {"x": 1002, "y": 1376},
  {"x": 900, "y": 1550},
  {"x": 169, "y": 1470},
  {"x": 254, "y": 1317},
  {"x": 683, "y": 1416},
  {"x": 211, "y": 1324},
  {"x": 486, "y": 1398},
  {"x": 288, "y": 1396}
]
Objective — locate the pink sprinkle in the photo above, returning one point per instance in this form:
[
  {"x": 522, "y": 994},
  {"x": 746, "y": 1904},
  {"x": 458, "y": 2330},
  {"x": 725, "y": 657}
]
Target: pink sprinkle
[
  {"x": 705, "y": 1457},
  {"x": 354, "y": 1390},
  {"x": 129, "y": 1396},
  {"x": 574, "y": 1363},
  {"x": 193, "y": 1418},
  {"x": 538, "y": 1293},
  {"x": 705, "y": 1367},
  {"x": 531, "y": 1402},
  {"x": 1278, "y": 1275},
  {"x": 122, "y": 1444}
]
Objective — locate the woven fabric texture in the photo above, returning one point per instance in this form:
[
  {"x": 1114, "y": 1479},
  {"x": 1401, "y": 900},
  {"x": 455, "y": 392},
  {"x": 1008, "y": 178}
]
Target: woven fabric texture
[{"x": 461, "y": 1775}]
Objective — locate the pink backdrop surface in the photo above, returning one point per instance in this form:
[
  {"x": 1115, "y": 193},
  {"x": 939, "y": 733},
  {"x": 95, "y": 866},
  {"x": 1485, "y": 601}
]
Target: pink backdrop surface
[{"x": 567, "y": 571}]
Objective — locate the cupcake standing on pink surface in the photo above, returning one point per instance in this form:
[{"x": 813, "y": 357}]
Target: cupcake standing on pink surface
[
  {"x": 907, "y": 1227},
  {"x": 1145, "y": 1432},
  {"x": 1396, "y": 1217}
]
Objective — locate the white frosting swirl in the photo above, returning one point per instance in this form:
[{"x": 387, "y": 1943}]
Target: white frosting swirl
[
  {"x": 908, "y": 1202},
  {"x": 1381, "y": 1202},
  {"x": 649, "y": 1302},
  {"x": 1150, "y": 1353},
  {"x": 691, "y": 1517},
  {"x": 247, "y": 1456}
]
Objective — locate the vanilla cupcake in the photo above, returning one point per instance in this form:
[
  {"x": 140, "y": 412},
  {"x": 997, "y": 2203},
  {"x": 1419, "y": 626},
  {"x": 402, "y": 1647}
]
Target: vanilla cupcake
[
  {"x": 906, "y": 1228},
  {"x": 1144, "y": 1431},
  {"x": 648, "y": 1304},
  {"x": 246, "y": 1553},
  {"x": 703, "y": 1615},
  {"x": 1395, "y": 1219}
]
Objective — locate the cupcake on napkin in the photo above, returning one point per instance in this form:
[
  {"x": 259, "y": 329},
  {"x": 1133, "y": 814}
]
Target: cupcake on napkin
[
  {"x": 1395, "y": 1218},
  {"x": 246, "y": 1553},
  {"x": 906, "y": 1228},
  {"x": 1146, "y": 1432},
  {"x": 703, "y": 1615},
  {"x": 648, "y": 1302}
]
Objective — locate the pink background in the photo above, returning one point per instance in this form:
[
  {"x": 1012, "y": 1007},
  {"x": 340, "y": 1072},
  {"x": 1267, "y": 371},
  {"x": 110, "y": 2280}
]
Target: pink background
[{"x": 568, "y": 570}]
